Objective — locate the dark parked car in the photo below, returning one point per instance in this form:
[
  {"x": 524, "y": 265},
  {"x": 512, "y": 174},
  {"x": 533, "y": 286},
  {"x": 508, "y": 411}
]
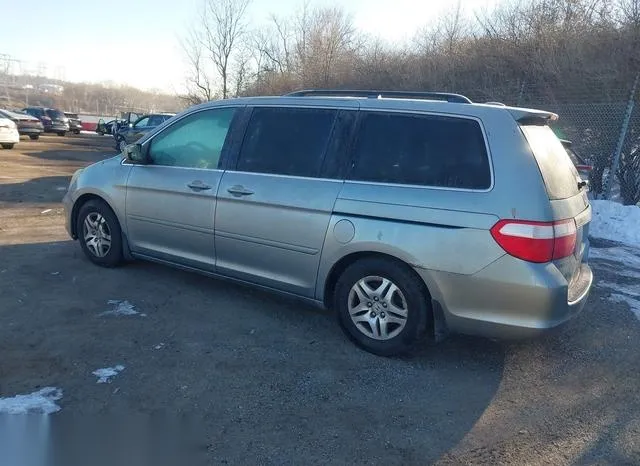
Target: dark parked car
[
  {"x": 105, "y": 128},
  {"x": 130, "y": 134},
  {"x": 27, "y": 125},
  {"x": 52, "y": 119},
  {"x": 127, "y": 119},
  {"x": 75, "y": 125}
]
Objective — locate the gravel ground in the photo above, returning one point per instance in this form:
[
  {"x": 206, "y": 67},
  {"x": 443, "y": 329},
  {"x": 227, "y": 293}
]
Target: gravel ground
[{"x": 264, "y": 380}]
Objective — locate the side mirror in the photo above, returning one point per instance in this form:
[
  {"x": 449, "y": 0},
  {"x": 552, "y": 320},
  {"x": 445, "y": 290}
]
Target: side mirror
[{"x": 135, "y": 154}]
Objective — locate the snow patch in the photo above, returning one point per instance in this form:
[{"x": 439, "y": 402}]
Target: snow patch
[
  {"x": 618, "y": 255},
  {"x": 107, "y": 373},
  {"x": 615, "y": 222},
  {"x": 43, "y": 401},
  {"x": 121, "y": 308},
  {"x": 630, "y": 291}
]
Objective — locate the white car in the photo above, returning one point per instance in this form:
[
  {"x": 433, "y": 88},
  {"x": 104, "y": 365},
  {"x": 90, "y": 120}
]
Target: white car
[{"x": 8, "y": 133}]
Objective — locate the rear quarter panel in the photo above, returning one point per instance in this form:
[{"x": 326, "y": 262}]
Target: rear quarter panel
[{"x": 439, "y": 229}]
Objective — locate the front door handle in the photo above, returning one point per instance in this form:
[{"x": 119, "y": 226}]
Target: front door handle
[
  {"x": 198, "y": 186},
  {"x": 239, "y": 190}
]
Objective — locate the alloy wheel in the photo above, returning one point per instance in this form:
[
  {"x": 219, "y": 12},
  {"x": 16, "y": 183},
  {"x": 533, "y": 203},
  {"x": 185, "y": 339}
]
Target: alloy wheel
[
  {"x": 97, "y": 235},
  {"x": 377, "y": 307}
]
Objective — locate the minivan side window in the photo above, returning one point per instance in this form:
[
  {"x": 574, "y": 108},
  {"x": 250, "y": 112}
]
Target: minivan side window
[
  {"x": 426, "y": 150},
  {"x": 196, "y": 141},
  {"x": 286, "y": 141}
]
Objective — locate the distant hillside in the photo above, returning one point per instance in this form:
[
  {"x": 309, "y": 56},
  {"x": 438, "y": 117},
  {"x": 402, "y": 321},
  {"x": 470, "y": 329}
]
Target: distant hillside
[{"x": 93, "y": 99}]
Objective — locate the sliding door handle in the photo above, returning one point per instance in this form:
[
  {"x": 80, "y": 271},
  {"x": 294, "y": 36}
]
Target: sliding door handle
[{"x": 239, "y": 191}]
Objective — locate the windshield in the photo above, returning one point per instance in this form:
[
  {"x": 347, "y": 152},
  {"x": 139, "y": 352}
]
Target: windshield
[{"x": 560, "y": 175}]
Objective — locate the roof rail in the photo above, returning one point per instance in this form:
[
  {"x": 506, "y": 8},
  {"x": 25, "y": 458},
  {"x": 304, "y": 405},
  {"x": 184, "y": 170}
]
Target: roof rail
[{"x": 372, "y": 94}]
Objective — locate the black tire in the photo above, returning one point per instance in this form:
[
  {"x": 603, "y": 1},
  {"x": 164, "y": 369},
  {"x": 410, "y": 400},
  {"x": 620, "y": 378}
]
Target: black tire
[
  {"x": 34, "y": 137},
  {"x": 113, "y": 256},
  {"x": 101, "y": 133},
  {"x": 412, "y": 288},
  {"x": 77, "y": 131},
  {"x": 61, "y": 133},
  {"x": 7, "y": 146}
]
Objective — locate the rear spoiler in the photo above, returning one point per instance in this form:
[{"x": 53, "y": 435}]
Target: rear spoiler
[{"x": 529, "y": 116}]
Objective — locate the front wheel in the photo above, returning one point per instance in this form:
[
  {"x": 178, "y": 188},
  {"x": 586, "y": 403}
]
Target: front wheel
[
  {"x": 99, "y": 234},
  {"x": 382, "y": 306},
  {"x": 7, "y": 146},
  {"x": 61, "y": 133},
  {"x": 34, "y": 137}
]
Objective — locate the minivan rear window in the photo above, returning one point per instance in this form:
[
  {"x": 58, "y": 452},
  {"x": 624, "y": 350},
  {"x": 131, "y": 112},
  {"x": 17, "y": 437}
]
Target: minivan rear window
[
  {"x": 558, "y": 172},
  {"x": 427, "y": 150}
]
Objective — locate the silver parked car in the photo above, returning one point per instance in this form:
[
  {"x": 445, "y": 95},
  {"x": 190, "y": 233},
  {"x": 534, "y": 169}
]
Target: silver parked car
[{"x": 409, "y": 214}]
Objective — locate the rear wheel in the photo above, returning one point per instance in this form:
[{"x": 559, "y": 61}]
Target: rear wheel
[
  {"x": 99, "y": 233},
  {"x": 34, "y": 137},
  {"x": 7, "y": 146},
  {"x": 61, "y": 133},
  {"x": 121, "y": 145},
  {"x": 382, "y": 306}
]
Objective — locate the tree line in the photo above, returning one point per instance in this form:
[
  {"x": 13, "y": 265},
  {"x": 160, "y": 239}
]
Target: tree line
[
  {"x": 538, "y": 53},
  {"x": 570, "y": 50}
]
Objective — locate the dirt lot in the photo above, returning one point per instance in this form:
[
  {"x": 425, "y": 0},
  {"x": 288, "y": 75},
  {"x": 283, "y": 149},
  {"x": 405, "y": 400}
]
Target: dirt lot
[{"x": 271, "y": 381}]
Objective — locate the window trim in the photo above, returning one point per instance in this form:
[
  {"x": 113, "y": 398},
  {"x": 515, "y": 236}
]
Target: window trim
[
  {"x": 233, "y": 165},
  {"x": 356, "y": 139}
]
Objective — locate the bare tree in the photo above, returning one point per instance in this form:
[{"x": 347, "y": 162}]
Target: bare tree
[
  {"x": 199, "y": 85},
  {"x": 223, "y": 28}
]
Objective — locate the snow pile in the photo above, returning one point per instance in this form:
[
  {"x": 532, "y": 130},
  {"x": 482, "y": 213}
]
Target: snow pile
[
  {"x": 121, "y": 308},
  {"x": 615, "y": 222},
  {"x": 107, "y": 373},
  {"x": 42, "y": 402}
]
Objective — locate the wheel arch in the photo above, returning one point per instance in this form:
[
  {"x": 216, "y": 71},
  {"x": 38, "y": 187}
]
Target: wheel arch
[
  {"x": 77, "y": 205},
  {"x": 82, "y": 200},
  {"x": 345, "y": 261}
]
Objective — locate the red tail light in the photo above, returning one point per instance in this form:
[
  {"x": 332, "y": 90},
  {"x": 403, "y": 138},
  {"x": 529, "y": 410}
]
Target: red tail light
[
  {"x": 584, "y": 168},
  {"x": 536, "y": 241}
]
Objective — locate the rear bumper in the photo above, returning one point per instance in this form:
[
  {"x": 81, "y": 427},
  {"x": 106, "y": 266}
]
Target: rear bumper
[
  {"x": 9, "y": 136},
  {"x": 509, "y": 299},
  {"x": 57, "y": 128},
  {"x": 30, "y": 131}
]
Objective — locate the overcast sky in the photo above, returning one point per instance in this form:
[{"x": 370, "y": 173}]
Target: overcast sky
[{"x": 137, "y": 41}]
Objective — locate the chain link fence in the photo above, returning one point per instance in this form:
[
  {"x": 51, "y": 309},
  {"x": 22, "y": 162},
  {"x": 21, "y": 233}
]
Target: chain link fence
[{"x": 604, "y": 128}]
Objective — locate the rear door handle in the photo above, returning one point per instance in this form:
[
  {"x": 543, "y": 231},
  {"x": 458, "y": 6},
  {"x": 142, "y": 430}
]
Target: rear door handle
[
  {"x": 198, "y": 186},
  {"x": 239, "y": 190}
]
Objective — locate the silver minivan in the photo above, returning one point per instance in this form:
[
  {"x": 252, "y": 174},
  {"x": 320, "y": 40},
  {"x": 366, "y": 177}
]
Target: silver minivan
[{"x": 409, "y": 214}]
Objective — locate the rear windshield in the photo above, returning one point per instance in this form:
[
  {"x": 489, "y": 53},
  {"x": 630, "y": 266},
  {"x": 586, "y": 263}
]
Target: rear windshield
[
  {"x": 71, "y": 115},
  {"x": 558, "y": 172},
  {"x": 55, "y": 114}
]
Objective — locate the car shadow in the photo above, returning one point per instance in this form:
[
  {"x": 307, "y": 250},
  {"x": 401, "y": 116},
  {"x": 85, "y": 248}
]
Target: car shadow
[
  {"x": 46, "y": 189},
  {"x": 274, "y": 374}
]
